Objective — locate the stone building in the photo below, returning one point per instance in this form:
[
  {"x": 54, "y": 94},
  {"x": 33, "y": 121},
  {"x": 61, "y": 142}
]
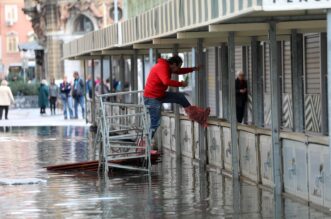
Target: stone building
[{"x": 60, "y": 21}]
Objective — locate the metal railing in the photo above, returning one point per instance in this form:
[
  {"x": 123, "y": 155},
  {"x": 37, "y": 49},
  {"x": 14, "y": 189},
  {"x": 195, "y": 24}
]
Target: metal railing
[{"x": 123, "y": 132}]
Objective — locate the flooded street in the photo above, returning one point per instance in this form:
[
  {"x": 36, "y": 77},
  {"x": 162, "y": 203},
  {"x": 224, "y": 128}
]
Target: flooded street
[{"x": 175, "y": 190}]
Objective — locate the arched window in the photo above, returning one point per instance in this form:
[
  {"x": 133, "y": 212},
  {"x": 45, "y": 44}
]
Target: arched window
[{"x": 83, "y": 24}]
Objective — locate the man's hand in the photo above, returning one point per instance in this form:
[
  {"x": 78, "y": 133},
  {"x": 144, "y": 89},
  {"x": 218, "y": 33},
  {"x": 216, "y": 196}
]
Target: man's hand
[
  {"x": 184, "y": 83},
  {"x": 197, "y": 68},
  {"x": 243, "y": 91}
]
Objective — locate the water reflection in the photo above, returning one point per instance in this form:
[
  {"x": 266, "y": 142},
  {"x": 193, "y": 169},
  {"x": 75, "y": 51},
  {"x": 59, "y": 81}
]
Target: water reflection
[{"x": 177, "y": 189}]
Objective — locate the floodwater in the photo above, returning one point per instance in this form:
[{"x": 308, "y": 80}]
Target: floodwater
[{"x": 175, "y": 190}]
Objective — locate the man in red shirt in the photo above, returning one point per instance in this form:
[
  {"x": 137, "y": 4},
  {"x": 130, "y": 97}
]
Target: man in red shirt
[{"x": 156, "y": 94}]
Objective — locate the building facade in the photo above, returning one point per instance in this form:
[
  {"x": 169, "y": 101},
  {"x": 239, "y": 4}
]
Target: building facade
[
  {"x": 15, "y": 28},
  {"x": 58, "y": 22}
]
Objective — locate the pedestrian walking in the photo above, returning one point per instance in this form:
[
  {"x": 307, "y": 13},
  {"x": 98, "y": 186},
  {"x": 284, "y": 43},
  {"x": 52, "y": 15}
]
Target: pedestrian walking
[
  {"x": 89, "y": 86},
  {"x": 53, "y": 94},
  {"x": 6, "y": 98},
  {"x": 241, "y": 95},
  {"x": 78, "y": 94},
  {"x": 65, "y": 93},
  {"x": 102, "y": 88},
  {"x": 43, "y": 96},
  {"x": 155, "y": 93}
]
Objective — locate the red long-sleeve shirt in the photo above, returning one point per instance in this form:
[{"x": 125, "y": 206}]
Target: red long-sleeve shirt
[{"x": 159, "y": 79}]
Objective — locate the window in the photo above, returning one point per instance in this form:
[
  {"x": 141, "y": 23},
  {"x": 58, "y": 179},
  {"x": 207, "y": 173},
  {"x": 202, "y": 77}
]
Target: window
[
  {"x": 12, "y": 43},
  {"x": 11, "y": 14},
  {"x": 83, "y": 24}
]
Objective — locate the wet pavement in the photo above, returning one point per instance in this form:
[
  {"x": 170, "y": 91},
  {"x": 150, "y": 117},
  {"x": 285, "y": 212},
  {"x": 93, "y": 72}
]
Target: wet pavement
[
  {"x": 32, "y": 118},
  {"x": 175, "y": 190}
]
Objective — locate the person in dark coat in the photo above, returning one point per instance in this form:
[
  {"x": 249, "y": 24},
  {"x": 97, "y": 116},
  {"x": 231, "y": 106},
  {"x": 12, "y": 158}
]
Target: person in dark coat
[
  {"x": 241, "y": 95},
  {"x": 43, "y": 97}
]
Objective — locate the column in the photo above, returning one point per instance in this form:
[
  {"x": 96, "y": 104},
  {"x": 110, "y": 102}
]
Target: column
[
  {"x": 297, "y": 81},
  {"x": 275, "y": 109},
  {"x": 257, "y": 85},
  {"x": 177, "y": 119},
  {"x": 93, "y": 95},
  {"x": 85, "y": 77},
  {"x": 200, "y": 86},
  {"x": 122, "y": 72},
  {"x": 329, "y": 73},
  {"x": 111, "y": 73},
  {"x": 102, "y": 76},
  {"x": 224, "y": 80},
  {"x": 324, "y": 84},
  {"x": 134, "y": 75},
  {"x": 232, "y": 106}
]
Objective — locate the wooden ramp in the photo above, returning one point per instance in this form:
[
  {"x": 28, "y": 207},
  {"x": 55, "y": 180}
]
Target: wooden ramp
[{"x": 93, "y": 165}]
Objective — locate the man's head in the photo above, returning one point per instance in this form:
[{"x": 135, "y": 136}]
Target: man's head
[
  {"x": 175, "y": 63},
  {"x": 240, "y": 75},
  {"x": 76, "y": 75},
  {"x": 65, "y": 79}
]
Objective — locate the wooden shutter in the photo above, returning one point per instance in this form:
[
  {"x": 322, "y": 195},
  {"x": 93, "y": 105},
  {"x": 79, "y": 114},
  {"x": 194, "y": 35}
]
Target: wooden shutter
[
  {"x": 238, "y": 58},
  {"x": 211, "y": 80},
  {"x": 287, "y": 75},
  {"x": 312, "y": 67},
  {"x": 266, "y": 56}
]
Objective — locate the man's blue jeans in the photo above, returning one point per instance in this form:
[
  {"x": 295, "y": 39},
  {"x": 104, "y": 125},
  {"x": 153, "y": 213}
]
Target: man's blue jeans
[
  {"x": 154, "y": 107},
  {"x": 79, "y": 100},
  {"x": 67, "y": 103}
]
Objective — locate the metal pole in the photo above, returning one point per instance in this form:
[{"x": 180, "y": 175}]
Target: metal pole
[
  {"x": 201, "y": 101},
  {"x": 151, "y": 57},
  {"x": 135, "y": 70},
  {"x": 275, "y": 109},
  {"x": 93, "y": 95},
  {"x": 329, "y": 74},
  {"x": 324, "y": 84},
  {"x": 297, "y": 81},
  {"x": 143, "y": 69},
  {"x": 102, "y": 79},
  {"x": 193, "y": 81},
  {"x": 218, "y": 81},
  {"x": 257, "y": 85},
  {"x": 86, "y": 120},
  {"x": 111, "y": 74},
  {"x": 225, "y": 79},
  {"x": 122, "y": 72},
  {"x": 232, "y": 106},
  {"x": 177, "y": 121}
]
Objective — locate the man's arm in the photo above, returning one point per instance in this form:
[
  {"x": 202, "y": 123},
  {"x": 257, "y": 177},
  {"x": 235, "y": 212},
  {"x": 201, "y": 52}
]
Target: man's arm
[
  {"x": 165, "y": 78},
  {"x": 183, "y": 71}
]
